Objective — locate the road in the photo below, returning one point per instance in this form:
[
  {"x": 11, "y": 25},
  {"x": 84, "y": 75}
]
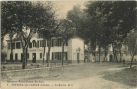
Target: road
[{"x": 83, "y": 76}]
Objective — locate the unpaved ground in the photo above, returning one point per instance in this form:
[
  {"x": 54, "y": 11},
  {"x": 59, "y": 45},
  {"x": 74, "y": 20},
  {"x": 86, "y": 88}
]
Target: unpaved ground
[{"x": 84, "y": 76}]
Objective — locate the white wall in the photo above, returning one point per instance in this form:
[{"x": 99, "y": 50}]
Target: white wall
[{"x": 75, "y": 44}]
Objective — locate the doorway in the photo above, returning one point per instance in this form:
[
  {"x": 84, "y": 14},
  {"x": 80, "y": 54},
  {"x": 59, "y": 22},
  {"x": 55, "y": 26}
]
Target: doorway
[
  {"x": 11, "y": 57},
  {"x": 78, "y": 58},
  {"x": 33, "y": 57},
  {"x": 16, "y": 57}
]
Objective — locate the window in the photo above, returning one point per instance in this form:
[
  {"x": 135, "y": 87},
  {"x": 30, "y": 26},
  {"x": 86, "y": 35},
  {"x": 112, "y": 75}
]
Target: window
[
  {"x": 54, "y": 42},
  {"x": 38, "y": 44},
  {"x": 59, "y": 42},
  {"x": 43, "y": 43},
  {"x": 18, "y": 46},
  {"x": 46, "y": 55},
  {"x": 40, "y": 36},
  {"x": 34, "y": 43},
  {"x": 9, "y": 45},
  {"x": 66, "y": 56},
  {"x": 59, "y": 55},
  {"x": 53, "y": 56},
  {"x": 13, "y": 45},
  {"x": 49, "y": 42},
  {"x": 30, "y": 45},
  {"x": 66, "y": 43},
  {"x": 28, "y": 55},
  {"x": 56, "y": 55},
  {"x": 40, "y": 55}
]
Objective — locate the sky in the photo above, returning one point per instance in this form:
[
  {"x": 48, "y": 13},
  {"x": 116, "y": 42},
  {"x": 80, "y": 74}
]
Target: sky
[{"x": 63, "y": 6}]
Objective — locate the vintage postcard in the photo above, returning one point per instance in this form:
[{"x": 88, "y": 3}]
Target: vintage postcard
[{"x": 68, "y": 44}]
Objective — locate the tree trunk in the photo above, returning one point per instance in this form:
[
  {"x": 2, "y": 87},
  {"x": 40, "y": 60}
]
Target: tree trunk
[
  {"x": 132, "y": 58},
  {"x": 104, "y": 58},
  {"x": 105, "y": 54},
  {"x": 63, "y": 43},
  {"x": 44, "y": 52},
  {"x": 133, "y": 54},
  {"x": 99, "y": 53},
  {"x": 2, "y": 39},
  {"x": 24, "y": 58},
  {"x": 94, "y": 58},
  {"x": 11, "y": 47},
  {"x": 48, "y": 54},
  {"x": 120, "y": 55},
  {"x": 114, "y": 54},
  {"x": 112, "y": 60},
  {"x": 26, "y": 53},
  {"x": 25, "y": 45}
]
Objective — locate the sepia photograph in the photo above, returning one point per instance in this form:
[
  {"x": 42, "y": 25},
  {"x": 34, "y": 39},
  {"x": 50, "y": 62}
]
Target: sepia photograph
[{"x": 68, "y": 44}]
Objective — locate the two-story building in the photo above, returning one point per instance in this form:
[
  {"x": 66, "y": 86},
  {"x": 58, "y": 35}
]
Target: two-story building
[{"x": 73, "y": 49}]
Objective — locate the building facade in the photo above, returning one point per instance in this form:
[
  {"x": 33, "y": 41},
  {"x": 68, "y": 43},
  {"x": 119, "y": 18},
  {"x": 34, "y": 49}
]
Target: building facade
[{"x": 73, "y": 50}]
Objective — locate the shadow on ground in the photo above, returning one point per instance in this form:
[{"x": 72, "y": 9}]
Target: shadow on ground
[{"x": 126, "y": 76}]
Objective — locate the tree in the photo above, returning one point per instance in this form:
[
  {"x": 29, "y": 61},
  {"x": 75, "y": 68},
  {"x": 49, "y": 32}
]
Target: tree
[
  {"x": 48, "y": 34},
  {"x": 132, "y": 45},
  {"x": 65, "y": 31},
  {"x": 8, "y": 23},
  {"x": 88, "y": 26},
  {"x": 19, "y": 16},
  {"x": 47, "y": 24},
  {"x": 122, "y": 13},
  {"x": 95, "y": 28},
  {"x": 116, "y": 16},
  {"x": 78, "y": 19},
  {"x": 28, "y": 19}
]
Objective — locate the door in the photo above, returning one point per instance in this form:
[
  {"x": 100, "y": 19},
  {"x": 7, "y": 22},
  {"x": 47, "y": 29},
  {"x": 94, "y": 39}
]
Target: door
[
  {"x": 78, "y": 57},
  {"x": 16, "y": 57},
  {"x": 21, "y": 57},
  {"x": 33, "y": 57},
  {"x": 11, "y": 57}
]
